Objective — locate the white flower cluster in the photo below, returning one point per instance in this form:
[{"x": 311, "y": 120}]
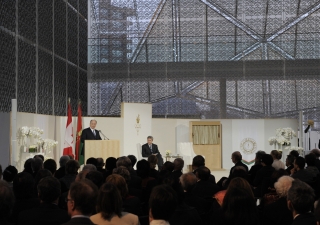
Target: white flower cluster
[
  {"x": 283, "y": 136},
  {"x": 34, "y": 132},
  {"x": 47, "y": 144},
  {"x": 299, "y": 149},
  {"x": 168, "y": 152}
]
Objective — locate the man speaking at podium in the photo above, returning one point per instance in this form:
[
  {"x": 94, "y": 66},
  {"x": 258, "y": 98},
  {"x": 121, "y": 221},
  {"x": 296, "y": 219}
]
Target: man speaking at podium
[
  {"x": 151, "y": 149},
  {"x": 90, "y": 133}
]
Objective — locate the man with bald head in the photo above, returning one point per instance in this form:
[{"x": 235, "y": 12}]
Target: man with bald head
[
  {"x": 90, "y": 133},
  {"x": 236, "y": 158}
]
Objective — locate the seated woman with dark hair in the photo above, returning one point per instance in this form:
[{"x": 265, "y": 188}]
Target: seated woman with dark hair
[
  {"x": 238, "y": 207},
  {"x": 153, "y": 160},
  {"x": 109, "y": 208},
  {"x": 131, "y": 204}
]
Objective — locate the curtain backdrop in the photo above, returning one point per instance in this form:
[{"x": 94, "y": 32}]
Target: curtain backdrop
[{"x": 205, "y": 135}]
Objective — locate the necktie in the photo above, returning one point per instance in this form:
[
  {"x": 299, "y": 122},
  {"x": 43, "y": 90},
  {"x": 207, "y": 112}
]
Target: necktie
[
  {"x": 150, "y": 149},
  {"x": 94, "y": 132}
]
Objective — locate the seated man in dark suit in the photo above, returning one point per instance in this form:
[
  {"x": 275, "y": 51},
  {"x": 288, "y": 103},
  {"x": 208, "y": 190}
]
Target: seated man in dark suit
[
  {"x": 300, "y": 201},
  {"x": 236, "y": 158},
  {"x": 289, "y": 163},
  {"x": 198, "y": 161},
  {"x": 49, "y": 190},
  {"x": 6, "y": 202},
  {"x": 298, "y": 172},
  {"x": 256, "y": 167},
  {"x": 90, "y": 133},
  {"x": 204, "y": 188},
  {"x": 177, "y": 172},
  {"x": 150, "y": 148},
  {"x": 81, "y": 201}
]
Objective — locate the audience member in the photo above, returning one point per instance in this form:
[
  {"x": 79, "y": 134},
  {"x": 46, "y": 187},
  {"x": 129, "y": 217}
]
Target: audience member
[
  {"x": 9, "y": 173},
  {"x": 133, "y": 160},
  {"x": 199, "y": 161},
  {"x": 311, "y": 164},
  {"x": 81, "y": 201},
  {"x": 147, "y": 183},
  {"x": 61, "y": 172},
  {"x": 256, "y": 167},
  {"x": 92, "y": 161},
  {"x": 317, "y": 213},
  {"x": 298, "y": 172},
  {"x": 27, "y": 166},
  {"x": 72, "y": 167},
  {"x": 289, "y": 163},
  {"x": 130, "y": 204},
  {"x": 177, "y": 172},
  {"x": 100, "y": 165},
  {"x": 39, "y": 156},
  {"x": 153, "y": 160},
  {"x": 277, "y": 164},
  {"x": 36, "y": 165},
  {"x": 81, "y": 175},
  {"x": 6, "y": 202},
  {"x": 109, "y": 208},
  {"x": 41, "y": 174},
  {"x": 277, "y": 213},
  {"x": 317, "y": 154},
  {"x": 135, "y": 181},
  {"x": 294, "y": 153},
  {"x": 89, "y": 167},
  {"x": 110, "y": 165},
  {"x": 300, "y": 201},
  {"x": 262, "y": 179},
  {"x": 236, "y": 158},
  {"x": 96, "y": 177},
  {"x": 238, "y": 207},
  {"x": 165, "y": 171},
  {"x": 162, "y": 204},
  {"x": 238, "y": 171},
  {"x": 49, "y": 190},
  {"x": 204, "y": 188},
  {"x": 50, "y": 165}
]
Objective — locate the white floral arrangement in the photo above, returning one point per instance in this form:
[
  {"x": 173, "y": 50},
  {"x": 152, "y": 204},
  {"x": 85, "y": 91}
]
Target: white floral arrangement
[
  {"x": 168, "y": 152},
  {"x": 283, "y": 136},
  {"x": 34, "y": 132},
  {"x": 47, "y": 144},
  {"x": 299, "y": 149}
]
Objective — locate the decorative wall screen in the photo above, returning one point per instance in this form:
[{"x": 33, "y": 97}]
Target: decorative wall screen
[
  {"x": 205, "y": 58},
  {"x": 43, "y": 55}
]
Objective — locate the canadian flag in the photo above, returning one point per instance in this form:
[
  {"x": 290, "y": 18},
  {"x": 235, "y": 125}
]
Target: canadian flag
[{"x": 68, "y": 138}]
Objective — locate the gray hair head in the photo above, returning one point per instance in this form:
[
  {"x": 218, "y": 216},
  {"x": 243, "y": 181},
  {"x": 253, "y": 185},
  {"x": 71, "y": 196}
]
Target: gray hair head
[
  {"x": 63, "y": 160},
  {"x": 283, "y": 185},
  {"x": 89, "y": 167}
]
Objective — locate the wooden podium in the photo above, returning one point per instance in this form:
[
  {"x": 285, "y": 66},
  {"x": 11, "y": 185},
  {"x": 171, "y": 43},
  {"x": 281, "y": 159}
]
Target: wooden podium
[{"x": 101, "y": 148}]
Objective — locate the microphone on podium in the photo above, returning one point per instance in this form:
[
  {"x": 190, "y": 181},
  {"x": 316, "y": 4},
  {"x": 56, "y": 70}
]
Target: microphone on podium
[{"x": 103, "y": 135}]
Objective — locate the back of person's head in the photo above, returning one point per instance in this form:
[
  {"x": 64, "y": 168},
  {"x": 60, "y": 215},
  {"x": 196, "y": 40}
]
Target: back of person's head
[
  {"x": 282, "y": 185},
  {"x": 100, "y": 162},
  {"x": 41, "y": 174},
  {"x": 84, "y": 195},
  {"x": 143, "y": 168},
  {"x": 124, "y": 161},
  {"x": 49, "y": 189},
  {"x": 23, "y": 185},
  {"x": 120, "y": 183},
  {"x": 316, "y": 152},
  {"x": 198, "y": 161},
  {"x": 72, "y": 167},
  {"x": 153, "y": 160},
  {"x": 96, "y": 177},
  {"x": 111, "y": 163},
  {"x": 6, "y": 201},
  {"x": 259, "y": 155},
  {"x": 239, "y": 206},
  {"x": 295, "y": 153},
  {"x": 276, "y": 154},
  {"x": 236, "y": 156},
  {"x": 203, "y": 173},
  {"x": 50, "y": 165},
  {"x": 188, "y": 181},
  {"x": 239, "y": 182},
  {"x": 300, "y": 197},
  {"x": 92, "y": 161},
  {"x": 109, "y": 201},
  {"x": 311, "y": 159},
  {"x": 37, "y": 164},
  {"x": 27, "y": 166},
  {"x": 169, "y": 166},
  {"x": 39, "y": 156},
  {"x": 89, "y": 167},
  {"x": 63, "y": 160},
  {"x": 300, "y": 162},
  {"x": 178, "y": 164},
  {"x": 290, "y": 159},
  {"x": 133, "y": 160},
  {"x": 267, "y": 159},
  {"x": 122, "y": 171},
  {"x": 9, "y": 173},
  {"x": 162, "y": 202}
]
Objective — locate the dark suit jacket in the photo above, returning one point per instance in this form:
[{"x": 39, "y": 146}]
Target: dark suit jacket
[
  {"x": 48, "y": 214},
  {"x": 146, "y": 150},
  {"x": 305, "y": 219},
  {"x": 303, "y": 175},
  {"x": 238, "y": 164},
  {"x": 205, "y": 189},
  {"x": 88, "y": 135},
  {"x": 277, "y": 213},
  {"x": 79, "y": 221}
]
